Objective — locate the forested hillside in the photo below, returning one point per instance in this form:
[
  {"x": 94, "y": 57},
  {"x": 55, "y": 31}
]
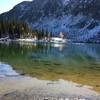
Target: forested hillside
[{"x": 78, "y": 19}]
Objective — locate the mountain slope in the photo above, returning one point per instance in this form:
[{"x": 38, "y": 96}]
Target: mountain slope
[{"x": 78, "y": 19}]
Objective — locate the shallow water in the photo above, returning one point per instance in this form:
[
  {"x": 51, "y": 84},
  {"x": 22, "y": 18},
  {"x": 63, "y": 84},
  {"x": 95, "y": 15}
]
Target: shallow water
[{"x": 79, "y": 63}]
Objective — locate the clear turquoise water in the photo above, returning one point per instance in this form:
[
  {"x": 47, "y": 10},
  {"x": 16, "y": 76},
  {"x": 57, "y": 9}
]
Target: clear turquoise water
[{"x": 73, "y": 62}]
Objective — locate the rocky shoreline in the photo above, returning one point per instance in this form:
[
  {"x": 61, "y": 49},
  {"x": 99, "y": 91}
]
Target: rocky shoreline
[
  {"x": 27, "y": 88},
  {"x": 29, "y": 96}
]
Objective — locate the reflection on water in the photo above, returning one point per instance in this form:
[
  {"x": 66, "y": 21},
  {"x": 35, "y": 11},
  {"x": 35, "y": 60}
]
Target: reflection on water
[{"x": 76, "y": 62}]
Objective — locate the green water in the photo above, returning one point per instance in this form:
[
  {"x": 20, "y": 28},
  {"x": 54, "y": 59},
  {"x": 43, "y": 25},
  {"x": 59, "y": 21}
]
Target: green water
[{"x": 79, "y": 63}]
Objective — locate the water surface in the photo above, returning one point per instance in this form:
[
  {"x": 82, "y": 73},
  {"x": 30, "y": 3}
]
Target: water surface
[{"x": 78, "y": 63}]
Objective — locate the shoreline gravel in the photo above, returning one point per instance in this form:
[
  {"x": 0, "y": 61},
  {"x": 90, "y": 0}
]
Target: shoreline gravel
[{"x": 27, "y": 88}]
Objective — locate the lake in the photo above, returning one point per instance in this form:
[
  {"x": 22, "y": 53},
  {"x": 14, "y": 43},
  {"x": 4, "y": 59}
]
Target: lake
[{"x": 76, "y": 62}]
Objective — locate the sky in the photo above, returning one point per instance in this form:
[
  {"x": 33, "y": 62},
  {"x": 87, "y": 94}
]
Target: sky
[{"x": 6, "y": 5}]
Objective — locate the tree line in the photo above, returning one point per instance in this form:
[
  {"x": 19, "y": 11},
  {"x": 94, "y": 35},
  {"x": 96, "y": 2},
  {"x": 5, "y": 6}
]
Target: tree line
[
  {"x": 12, "y": 28},
  {"x": 42, "y": 33},
  {"x": 18, "y": 29}
]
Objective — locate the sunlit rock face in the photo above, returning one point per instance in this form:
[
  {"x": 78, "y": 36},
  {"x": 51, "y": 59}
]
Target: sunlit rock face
[
  {"x": 6, "y": 70},
  {"x": 78, "y": 19}
]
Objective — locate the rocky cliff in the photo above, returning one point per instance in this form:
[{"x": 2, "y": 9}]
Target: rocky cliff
[{"x": 78, "y": 19}]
